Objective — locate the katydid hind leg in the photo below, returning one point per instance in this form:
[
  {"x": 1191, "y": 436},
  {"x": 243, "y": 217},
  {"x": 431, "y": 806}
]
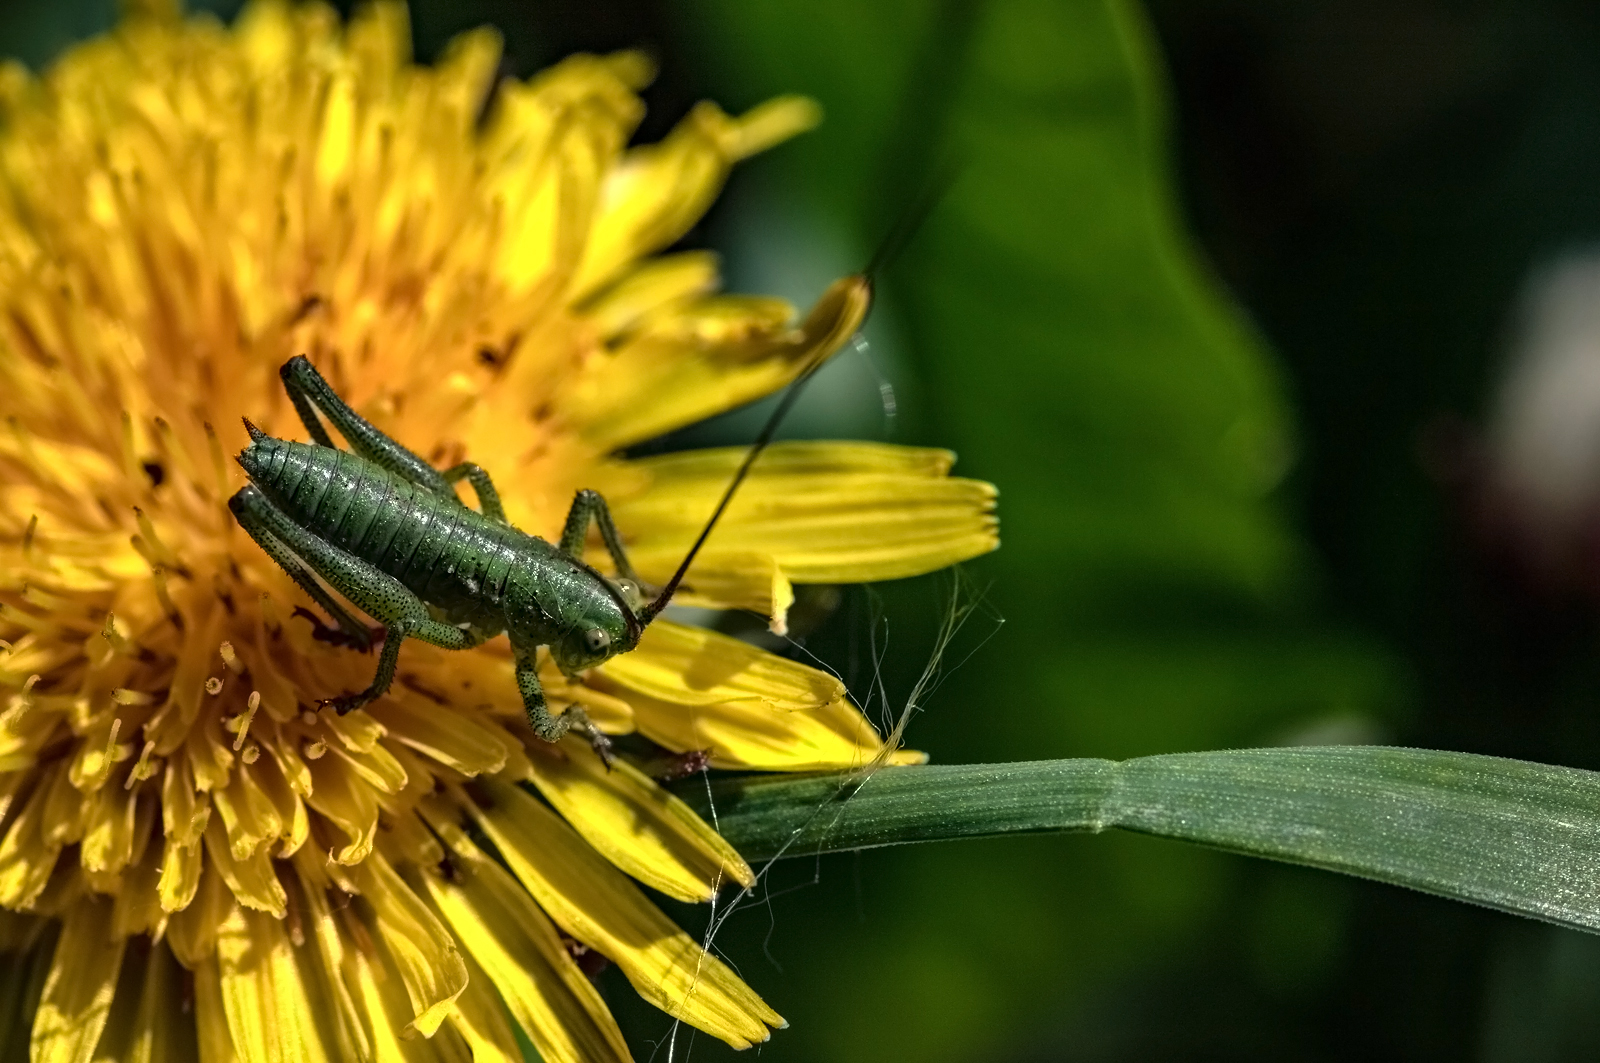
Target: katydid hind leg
[
  {"x": 312, "y": 395},
  {"x": 546, "y": 724},
  {"x": 249, "y": 507},
  {"x": 414, "y": 626},
  {"x": 401, "y": 613}
]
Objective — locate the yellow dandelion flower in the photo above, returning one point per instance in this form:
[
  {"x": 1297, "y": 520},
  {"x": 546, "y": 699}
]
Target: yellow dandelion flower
[{"x": 196, "y": 863}]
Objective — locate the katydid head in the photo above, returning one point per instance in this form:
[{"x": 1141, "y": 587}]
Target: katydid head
[{"x": 597, "y": 625}]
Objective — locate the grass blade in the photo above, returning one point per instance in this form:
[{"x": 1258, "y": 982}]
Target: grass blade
[{"x": 1508, "y": 834}]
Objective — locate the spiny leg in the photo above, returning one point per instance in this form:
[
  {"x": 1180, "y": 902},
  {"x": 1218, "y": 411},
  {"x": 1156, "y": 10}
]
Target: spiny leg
[
  {"x": 488, "y": 498},
  {"x": 312, "y": 395},
  {"x": 347, "y": 630},
  {"x": 368, "y": 588},
  {"x": 591, "y": 505},
  {"x": 546, "y": 724},
  {"x": 409, "y": 626}
]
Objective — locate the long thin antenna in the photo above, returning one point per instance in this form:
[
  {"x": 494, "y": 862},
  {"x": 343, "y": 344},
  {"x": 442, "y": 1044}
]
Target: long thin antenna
[
  {"x": 768, "y": 430},
  {"x": 894, "y": 242},
  {"x": 910, "y": 221}
]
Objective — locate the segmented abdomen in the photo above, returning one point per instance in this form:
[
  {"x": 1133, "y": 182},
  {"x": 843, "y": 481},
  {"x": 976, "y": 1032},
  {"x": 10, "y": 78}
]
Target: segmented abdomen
[{"x": 446, "y": 554}]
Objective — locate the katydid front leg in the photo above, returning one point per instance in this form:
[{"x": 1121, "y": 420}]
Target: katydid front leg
[{"x": 546, "y": 724}]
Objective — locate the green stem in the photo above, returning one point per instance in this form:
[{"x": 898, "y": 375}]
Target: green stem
[{"x": 1512, "y": 835}]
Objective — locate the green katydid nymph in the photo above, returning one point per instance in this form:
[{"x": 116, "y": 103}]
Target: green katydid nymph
[{"x": 384, "y": 530}]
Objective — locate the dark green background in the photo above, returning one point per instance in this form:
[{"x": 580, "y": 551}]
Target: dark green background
[{"x": 1203, "y": 277}]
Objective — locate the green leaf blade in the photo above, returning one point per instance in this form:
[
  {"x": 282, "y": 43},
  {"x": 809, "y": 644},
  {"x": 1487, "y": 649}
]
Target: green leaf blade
[{"x": 1520, "y": 837}]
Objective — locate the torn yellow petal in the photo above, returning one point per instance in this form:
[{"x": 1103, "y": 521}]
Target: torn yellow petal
[
  {"x": 264, "y": 998},
  {"x": 827, "y": 512},
  {"x": 720, "y": 579},
  {"x": 78, "y": 991},
  {"x": 636, "y": 824},
  {"x": 423, "y": 950},
  {"x": 597, "y": 904}
]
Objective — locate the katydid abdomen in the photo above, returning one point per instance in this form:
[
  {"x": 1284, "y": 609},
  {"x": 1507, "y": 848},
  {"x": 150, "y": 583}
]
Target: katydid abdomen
[{"x": 448, "y": 555}]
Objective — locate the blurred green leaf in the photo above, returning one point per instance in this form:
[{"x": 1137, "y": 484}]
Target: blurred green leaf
[
  {"x": 1508, "y": 834},
  {"x": 1104, "y": 379}
]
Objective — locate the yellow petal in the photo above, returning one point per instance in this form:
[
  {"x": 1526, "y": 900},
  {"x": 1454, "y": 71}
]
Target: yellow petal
[
  {"x": 247, "y": 813},
  {"x": 480, "y": 1019},
  {"x": 253, "y": 880},
  {"x": 210, "y": 1015},
  {"x": 26, "y": 859},
  {"x": 450, "y": 737},
  {"x": 180, "y": 874},
  {"x": 426, "y": 955},
  {"x": 192, "y": 932},
  {"x": 377, "y": 767},
  {"x": 78, "y": 991},
  {"x": 597, "y": 905},
  {"x": 347, "y": 1029},
  {"x": 696, "y": 689},
  {"x": 827, "y": 512},
  {"x": 147, "y": 1015},
  {"x": 719, "y": 578},
  {"x": 735, "y": 735},
  {"x": 657, "y": 381},
  {"x": 694, "y": 666},
  {"x": 574, "y": 117},
  {"x": 659, "y": 191},
  {"x": 108, "y": 841},
  {"x": 138, "y": 902},
  {"x": 287, "y": 804},
  {"x": 654, "y": 285},
  {"x": 517, "y": 947},
  {"x": 263, "y": 992},
  {"x": 636, "y": 824},
  {"x": 383, "y": 1007},
  {"x": 348, "y": 803}
]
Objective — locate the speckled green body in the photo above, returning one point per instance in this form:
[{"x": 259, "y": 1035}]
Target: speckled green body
[
  {"x": 386, "y": 533},
  {"x": 471, "y": 570}
]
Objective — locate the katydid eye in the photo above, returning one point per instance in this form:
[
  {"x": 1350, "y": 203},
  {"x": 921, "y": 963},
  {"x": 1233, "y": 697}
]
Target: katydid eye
[{"x": 597, "y": 640}]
